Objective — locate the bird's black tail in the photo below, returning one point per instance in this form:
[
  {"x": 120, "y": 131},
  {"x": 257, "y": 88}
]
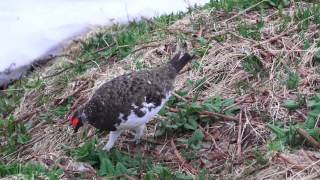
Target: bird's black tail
[{"x": 178, "y": 63}]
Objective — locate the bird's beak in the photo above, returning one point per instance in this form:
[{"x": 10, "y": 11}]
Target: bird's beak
[{"x": 75, "y": 130}]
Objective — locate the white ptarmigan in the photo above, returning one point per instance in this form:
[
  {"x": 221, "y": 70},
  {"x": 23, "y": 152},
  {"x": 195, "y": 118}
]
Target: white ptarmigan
[{"x": 130, "y": 100}]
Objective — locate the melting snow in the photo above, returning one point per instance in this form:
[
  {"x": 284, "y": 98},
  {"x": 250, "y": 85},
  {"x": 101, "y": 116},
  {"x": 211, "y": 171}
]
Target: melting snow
[{"x": 30, "y": 29}]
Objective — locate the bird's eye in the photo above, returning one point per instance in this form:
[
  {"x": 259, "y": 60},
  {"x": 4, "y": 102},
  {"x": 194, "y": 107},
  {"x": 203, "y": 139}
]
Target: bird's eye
[{"x": 70, "y": 118}]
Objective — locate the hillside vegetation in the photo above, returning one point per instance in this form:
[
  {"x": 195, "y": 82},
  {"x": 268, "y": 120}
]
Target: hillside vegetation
[{"x": 247, "y": 106}]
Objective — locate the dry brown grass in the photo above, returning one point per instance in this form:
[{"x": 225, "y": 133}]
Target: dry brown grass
[{"x": 229, "y": 147}]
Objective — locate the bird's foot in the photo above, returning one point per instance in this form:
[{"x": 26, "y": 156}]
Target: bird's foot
[
  {"x": 137, "y": 141},
  {"x": 107, "y": 147},
  {"x": 134, "y": 140},
  {"x": 139, "y": 133}
]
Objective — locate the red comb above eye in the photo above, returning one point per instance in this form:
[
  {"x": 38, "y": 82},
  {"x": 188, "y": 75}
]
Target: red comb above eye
[{"x": 75, "y": 122}]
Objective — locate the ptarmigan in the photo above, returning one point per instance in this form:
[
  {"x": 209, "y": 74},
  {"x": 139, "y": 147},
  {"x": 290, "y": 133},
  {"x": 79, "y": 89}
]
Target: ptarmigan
[{"x": 129, "y": 101}]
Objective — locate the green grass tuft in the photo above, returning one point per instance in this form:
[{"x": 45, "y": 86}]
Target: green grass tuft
[
  {"x": 251, "y": 31},
  {"x": 13, "y": 134},
  {"x": 252, "y": 65},
  {"x": 29, "y": 170}
]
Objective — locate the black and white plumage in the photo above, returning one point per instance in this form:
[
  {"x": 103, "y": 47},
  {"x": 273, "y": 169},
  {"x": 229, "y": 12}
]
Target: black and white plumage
[{"x": 129, "y": 101}]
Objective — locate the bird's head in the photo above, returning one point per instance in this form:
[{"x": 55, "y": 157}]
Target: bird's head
[{"x": 76, "y": 120}]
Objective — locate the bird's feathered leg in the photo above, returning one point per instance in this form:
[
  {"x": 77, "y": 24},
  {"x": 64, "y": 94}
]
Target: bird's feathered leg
[{"x": 113, "y": 136}]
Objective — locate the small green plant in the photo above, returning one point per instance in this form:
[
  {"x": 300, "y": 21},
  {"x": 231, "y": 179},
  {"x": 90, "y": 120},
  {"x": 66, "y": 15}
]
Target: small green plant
[
  {"x": 278, "y": 3},
  {"x": 159, "y": 172},
  {"x": 316, "y": 57},
  {"x": 292, "y": 80},
  {"x": 260, "y": 157},
  {"x": 252, "y": 65},
  {"x": 195, "y": 140},
  {"x": 187, "y": 118},
  {"x": 284, "y": 136},
  {"x": 289, "y": 134},
  {"x": 198, "y": 85},
  {"x": 204, "y": 47},
  {"x": 291, "y": 104},
  {"x": 314, "y": 105},
  {"x": 242, "y": 86},
  {"x": 139, "y": 64},
  {"x": 196, "y": 65}
]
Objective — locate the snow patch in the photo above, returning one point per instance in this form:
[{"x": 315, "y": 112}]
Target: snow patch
[{"x": 31, "y": 29}]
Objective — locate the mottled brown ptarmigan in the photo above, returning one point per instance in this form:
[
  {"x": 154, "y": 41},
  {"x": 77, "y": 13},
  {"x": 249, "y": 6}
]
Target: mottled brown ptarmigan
[{"x": 130, "y": 100}]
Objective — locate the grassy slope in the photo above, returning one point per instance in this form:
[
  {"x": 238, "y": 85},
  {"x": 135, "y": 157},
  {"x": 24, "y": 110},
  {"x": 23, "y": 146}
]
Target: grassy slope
[{"x": 246, "y": 106}]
